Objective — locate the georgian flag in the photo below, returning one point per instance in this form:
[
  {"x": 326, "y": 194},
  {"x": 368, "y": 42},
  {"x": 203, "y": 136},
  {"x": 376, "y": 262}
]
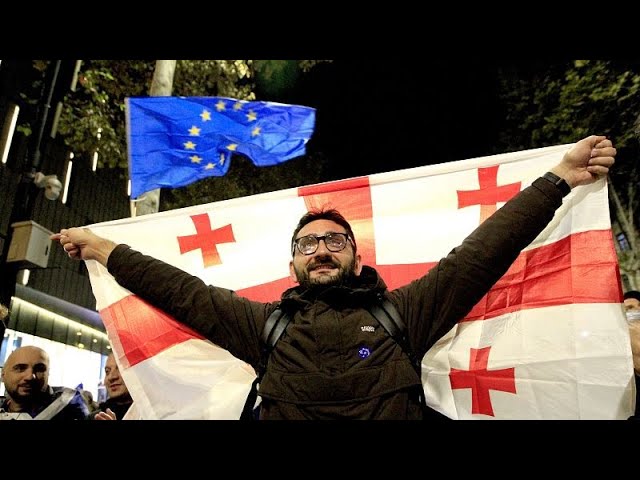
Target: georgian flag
[{"x": 549, "y": 340}]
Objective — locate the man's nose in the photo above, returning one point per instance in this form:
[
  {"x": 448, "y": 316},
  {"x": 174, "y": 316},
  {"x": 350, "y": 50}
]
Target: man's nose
[{"x": 322, "y": 245}]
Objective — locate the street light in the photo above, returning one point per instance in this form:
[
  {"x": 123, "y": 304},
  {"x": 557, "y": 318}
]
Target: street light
[{"x": 50, "y": 183}]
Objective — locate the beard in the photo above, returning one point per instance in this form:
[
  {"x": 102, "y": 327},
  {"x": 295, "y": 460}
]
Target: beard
[{"x": 344, "y": 275}]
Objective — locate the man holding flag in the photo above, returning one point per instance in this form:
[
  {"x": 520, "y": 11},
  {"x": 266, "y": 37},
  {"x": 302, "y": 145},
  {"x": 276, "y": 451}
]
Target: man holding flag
[{"x": 334, "y": 361}]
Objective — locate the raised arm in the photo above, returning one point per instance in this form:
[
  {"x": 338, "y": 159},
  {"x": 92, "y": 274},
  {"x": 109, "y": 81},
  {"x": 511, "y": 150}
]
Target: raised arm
[{"x": 451, "y": 289}]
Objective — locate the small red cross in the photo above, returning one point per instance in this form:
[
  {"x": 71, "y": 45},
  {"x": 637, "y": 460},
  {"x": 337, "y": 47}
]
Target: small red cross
[
  {"x": 480, "y": 380},
  {"x": 489, "y": 193},
  {"x": 206, "y": 239}
]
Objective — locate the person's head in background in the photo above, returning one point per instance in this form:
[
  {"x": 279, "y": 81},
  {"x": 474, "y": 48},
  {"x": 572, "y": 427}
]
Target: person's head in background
[
  {"x": 26, "y": 376},
  {"x": 116, "y": 388},
  {"x": 4, "y": 317},
  {"x": 632, "y": 305},
  {"x": 632, "y": 300}
]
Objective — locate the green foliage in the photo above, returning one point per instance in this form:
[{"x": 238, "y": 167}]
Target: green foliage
[
  {"x": 93, "y": 117},
  {"x": 562, "y": 103},
  {"x": 244, "y": 179},
  {"x": 210, "y": 78},
  {"x": 276, "y": 77}
]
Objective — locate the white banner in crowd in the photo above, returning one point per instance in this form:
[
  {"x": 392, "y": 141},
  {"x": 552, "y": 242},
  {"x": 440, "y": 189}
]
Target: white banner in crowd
[{"x": 549, "y": 341}]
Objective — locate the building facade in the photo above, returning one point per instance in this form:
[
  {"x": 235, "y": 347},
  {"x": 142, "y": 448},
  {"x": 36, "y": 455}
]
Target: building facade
[{"x": 50, "y": 299}]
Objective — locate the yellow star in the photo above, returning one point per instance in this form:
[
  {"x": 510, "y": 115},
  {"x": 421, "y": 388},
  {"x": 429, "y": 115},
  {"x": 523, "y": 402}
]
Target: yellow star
[
  {"x": 251, "y": 116},
  {"x": 195, "y": 159},
  {"x": 255, "y": 132},
  {"x": 209, "y": 166},
  {"x": 220, "y": 106},
  {"x": 205, "y": 115},
  {"x": 190, "y": 145},
  {"x": 237, "y": 106},
  {"x": 194, "y": 131},
  {"x": 232, "y": 147}
]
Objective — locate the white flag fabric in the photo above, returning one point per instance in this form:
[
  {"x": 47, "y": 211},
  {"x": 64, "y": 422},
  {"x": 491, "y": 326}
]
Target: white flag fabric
[{"x": 549, "y": 340}]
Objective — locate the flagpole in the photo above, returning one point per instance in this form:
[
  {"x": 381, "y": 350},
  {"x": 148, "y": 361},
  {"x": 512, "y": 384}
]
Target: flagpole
[{"x": 161, "y": 86}]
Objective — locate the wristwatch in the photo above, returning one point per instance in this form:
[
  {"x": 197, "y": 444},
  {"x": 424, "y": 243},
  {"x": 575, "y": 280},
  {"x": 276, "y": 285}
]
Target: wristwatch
[{"x": 558, "y": 182}]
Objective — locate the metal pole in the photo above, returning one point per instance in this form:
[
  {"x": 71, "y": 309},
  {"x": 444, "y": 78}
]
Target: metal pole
[{"x": 35, "y": 163}]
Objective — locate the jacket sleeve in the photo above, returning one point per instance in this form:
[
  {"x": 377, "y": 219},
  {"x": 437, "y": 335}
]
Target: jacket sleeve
[
  {"x": 434, "y": 303},
  {"x": 228, "y": 320}
]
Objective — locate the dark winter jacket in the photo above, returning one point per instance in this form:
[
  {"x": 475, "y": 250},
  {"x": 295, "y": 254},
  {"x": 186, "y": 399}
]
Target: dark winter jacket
[
  {"x": 119, "y": 407},
  {"x": 72, "y": 408},
  {"x": 334, "y": 361}
]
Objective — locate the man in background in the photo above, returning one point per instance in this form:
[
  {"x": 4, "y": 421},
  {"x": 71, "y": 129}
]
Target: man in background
[
  {"x": 119, "y": 400},
  {"x": 632, "y": 305},
  {"x": 26, "y": 379},
  {"x": 632, "y": 311}
]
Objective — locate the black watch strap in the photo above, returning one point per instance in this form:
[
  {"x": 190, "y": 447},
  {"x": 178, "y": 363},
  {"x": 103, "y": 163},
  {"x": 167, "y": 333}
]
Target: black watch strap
[{"x": 559, "y": 182}]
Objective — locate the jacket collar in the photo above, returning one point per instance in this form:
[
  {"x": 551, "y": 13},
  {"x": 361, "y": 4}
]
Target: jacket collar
[{"x": 362, "y": 290}]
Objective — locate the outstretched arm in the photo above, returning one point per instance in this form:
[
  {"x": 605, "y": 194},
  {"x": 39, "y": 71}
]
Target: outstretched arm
[
  {"x": 451, "y": 289},
  {"x": 82, "y": 244}
]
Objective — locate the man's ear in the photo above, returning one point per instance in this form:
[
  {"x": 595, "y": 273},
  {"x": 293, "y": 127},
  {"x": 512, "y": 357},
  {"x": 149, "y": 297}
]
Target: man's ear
[
  {"x": 358, "y": 267},
  {"x": 292, "y": 272}
]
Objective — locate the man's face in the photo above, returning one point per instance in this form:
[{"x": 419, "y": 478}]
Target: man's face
[
  {"x": 324, "y": 267},
  {"x": 112, "y": 379},
  {"x": 26, "y": 374},
  {"x": 632, "y": 305}
]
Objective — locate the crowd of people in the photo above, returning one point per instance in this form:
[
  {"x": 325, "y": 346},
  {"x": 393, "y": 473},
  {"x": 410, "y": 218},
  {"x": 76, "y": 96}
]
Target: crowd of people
[
  {"x": 331, "y": 299},
  {"x": 28, "y": 395}
]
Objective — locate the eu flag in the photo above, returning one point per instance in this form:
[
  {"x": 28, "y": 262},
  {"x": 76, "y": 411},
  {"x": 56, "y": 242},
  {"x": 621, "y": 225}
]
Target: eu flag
[{"x": 174, "y": 141}]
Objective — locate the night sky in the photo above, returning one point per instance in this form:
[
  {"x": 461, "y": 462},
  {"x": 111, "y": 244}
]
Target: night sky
[{"x": 376, "y": 116}]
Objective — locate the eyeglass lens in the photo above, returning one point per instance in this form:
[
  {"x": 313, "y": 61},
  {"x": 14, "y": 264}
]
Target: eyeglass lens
[{"x": 335, "y": 242}]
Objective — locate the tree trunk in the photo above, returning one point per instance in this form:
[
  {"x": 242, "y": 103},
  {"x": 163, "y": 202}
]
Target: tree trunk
[{"x": 161, "y": 86}]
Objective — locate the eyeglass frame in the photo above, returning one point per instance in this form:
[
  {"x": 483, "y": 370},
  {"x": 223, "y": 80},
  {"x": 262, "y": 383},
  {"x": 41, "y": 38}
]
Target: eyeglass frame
[{"x": 318, "y": 238}]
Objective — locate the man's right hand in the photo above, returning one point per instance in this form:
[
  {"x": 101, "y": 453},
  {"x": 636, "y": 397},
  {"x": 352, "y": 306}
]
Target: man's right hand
[
  {"x": 106, "y": 415},
  {"x": 83, "y": 244}
]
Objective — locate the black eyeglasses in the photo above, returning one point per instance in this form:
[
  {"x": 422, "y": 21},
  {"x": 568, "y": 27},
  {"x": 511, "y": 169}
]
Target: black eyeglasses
[{"x": 308, "y": 244}]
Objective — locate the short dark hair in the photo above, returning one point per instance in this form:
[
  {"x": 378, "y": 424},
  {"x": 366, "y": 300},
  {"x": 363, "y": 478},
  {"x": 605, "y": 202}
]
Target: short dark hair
[
  {"x": 632, "y": 294},
  {"x": 323, "y": 214}
]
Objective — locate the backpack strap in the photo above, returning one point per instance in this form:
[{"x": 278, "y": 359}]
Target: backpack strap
[
  {"x": 273, "y": 329},
  {"x": 388, "y": 316}
]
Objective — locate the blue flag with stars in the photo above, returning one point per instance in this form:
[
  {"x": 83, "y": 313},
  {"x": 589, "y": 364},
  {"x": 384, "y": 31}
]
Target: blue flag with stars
[{"x": 175, "y": 141}]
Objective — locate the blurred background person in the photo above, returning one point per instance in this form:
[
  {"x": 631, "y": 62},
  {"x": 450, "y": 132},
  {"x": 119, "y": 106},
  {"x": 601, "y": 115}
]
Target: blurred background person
[
  {"x": 632, "y": 305},
  {"x": 632, "y": 311},
  {"x": 119, "y": 400},
  {"x": 26, "y": 379},
  {"x": 4, "y": 317}
]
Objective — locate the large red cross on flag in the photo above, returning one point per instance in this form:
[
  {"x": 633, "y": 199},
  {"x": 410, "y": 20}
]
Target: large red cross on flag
[{"x": 548, "y": 341}]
